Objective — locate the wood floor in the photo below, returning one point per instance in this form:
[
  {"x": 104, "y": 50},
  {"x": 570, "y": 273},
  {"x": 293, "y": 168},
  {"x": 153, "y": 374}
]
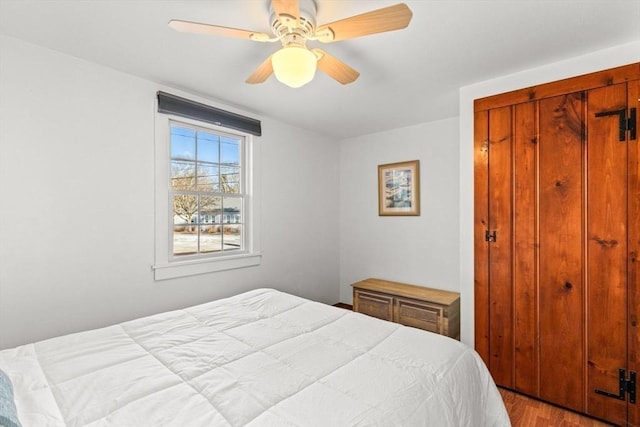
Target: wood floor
[
  {"x": 343, "y": 305},
  {"x": 527, "y": 412}
]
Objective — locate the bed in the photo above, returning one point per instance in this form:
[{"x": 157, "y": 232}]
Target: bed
[{"x": 261, "y": 358}]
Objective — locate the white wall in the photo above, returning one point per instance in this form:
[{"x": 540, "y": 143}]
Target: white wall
[
  {"x": 601, "y": 60},
  {"x": 77, "y": 207},
  {"x": 76, "y": 200},
  {"x": 421, "y": 250}
]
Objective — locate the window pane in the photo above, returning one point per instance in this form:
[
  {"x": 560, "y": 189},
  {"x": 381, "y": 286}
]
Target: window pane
[
  {"x": 183, "y": 143},
  {"x": 208, "y": 147},
  {"x": 230, "y": 179},
  {"x": 183, "y": 175},
  {"x": 185, "y": 209},
  {"x": 208, "y": 179},
  {"x": 210, "y": 208},
  {"x": 230, "y": 151},
  {"x": 232, "y": 213},
  {"x": 185, "y": 242},
  {"x": 210, "y": 238},
  {"x": 232, "y": 237}
]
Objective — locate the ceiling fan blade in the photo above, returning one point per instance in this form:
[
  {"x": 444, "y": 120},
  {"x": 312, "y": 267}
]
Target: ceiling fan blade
[
  {"x": 377, "y": 21},
  {"x": 262, "y": 73},
  {"x": 335, "y": 68},
  {"x": 216, "y": 30},
  {"x": 288, "y": 11}
]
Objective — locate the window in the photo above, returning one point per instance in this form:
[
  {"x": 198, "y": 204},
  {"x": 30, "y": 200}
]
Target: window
[
  {"x": 206, "y": 198},
  {"x": 207, "y": 191}
]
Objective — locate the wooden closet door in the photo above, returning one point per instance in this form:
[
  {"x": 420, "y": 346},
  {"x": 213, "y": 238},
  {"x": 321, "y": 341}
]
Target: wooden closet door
[
  {"x": 606, "y": 246},
  {"x": 557, "y": 247}
]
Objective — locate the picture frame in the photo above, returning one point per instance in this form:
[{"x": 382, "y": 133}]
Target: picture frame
[{"x": 399, "y": 189}]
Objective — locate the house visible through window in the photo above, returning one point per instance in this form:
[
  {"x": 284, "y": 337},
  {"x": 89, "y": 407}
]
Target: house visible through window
[{"x": 206, "y": 191}]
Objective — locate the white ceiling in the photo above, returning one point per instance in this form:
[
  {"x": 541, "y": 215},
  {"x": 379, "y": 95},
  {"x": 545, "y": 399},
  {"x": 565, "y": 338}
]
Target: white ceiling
[{"x": 407, "y": 77}]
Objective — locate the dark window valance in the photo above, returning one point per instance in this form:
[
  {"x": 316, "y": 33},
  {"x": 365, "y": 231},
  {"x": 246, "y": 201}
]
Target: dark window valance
[{"x": 171, "y": 104}]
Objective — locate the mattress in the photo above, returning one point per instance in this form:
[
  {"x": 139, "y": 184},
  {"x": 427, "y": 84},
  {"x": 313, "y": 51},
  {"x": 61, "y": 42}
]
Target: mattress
[{"x": 261, "y": 358}]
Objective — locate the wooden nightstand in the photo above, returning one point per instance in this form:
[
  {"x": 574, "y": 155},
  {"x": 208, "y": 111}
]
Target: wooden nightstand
[{"x": 430, "y": 309}]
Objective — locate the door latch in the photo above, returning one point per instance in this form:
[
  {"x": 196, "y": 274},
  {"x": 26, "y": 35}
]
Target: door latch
[{"x": 490, "y": 235}]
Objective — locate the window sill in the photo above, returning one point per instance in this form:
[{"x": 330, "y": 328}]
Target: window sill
[{"x": 203, "y": 266}]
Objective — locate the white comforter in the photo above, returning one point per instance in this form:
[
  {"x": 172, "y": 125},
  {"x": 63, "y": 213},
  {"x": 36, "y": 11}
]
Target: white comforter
[{"x": 262, "y": 358}]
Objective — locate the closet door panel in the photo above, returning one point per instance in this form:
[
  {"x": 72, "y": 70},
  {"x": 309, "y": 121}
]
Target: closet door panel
[
  {"x": 481, "y": 225},
  {"x": 561, "y": 299},
  {"x": 558, "y": 291},
  {"x": 500, "y": 253},
  {"x": 606, "y": 252},
  {"x": 633, "y": 262},
  {"x": 525, "y": 252}
]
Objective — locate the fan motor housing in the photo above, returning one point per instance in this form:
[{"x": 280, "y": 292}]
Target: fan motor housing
[{"x": 291, "y": 31}]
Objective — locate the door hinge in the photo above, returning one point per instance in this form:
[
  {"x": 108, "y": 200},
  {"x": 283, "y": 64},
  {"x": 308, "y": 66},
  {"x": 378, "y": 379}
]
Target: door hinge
[
  {"x": 632, "y": 125},
  {"x": 624, "y": 386},
  {"x": 624, "y": 123},
  {"x": 491, "y": 236}
]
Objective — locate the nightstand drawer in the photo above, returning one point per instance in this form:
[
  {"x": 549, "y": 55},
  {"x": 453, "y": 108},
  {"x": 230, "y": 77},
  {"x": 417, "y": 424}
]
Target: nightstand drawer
[
  {"x": 373, "y": 304},
  {"x": 420, "y": 315}
]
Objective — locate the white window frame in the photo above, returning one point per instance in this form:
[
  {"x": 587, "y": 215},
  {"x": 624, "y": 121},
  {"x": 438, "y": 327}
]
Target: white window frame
[{"x": 167, "y": 266}]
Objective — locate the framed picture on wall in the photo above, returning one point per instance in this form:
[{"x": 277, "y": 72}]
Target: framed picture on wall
[{"x": 399, "y": 188}]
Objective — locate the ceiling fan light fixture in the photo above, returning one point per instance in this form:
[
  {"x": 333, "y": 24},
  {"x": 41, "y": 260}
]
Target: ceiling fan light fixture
[
  {"x": 294, "y": 66},
  {"x": 293, "y": 23}
]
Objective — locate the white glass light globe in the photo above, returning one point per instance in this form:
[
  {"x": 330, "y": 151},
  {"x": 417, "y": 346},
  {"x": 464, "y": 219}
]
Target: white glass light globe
[{"x": 294, "y": 66}]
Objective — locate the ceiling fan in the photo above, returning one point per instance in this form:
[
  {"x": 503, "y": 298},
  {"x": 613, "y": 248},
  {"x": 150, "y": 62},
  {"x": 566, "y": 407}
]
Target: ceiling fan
[{"x": 293, "y": 24}]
